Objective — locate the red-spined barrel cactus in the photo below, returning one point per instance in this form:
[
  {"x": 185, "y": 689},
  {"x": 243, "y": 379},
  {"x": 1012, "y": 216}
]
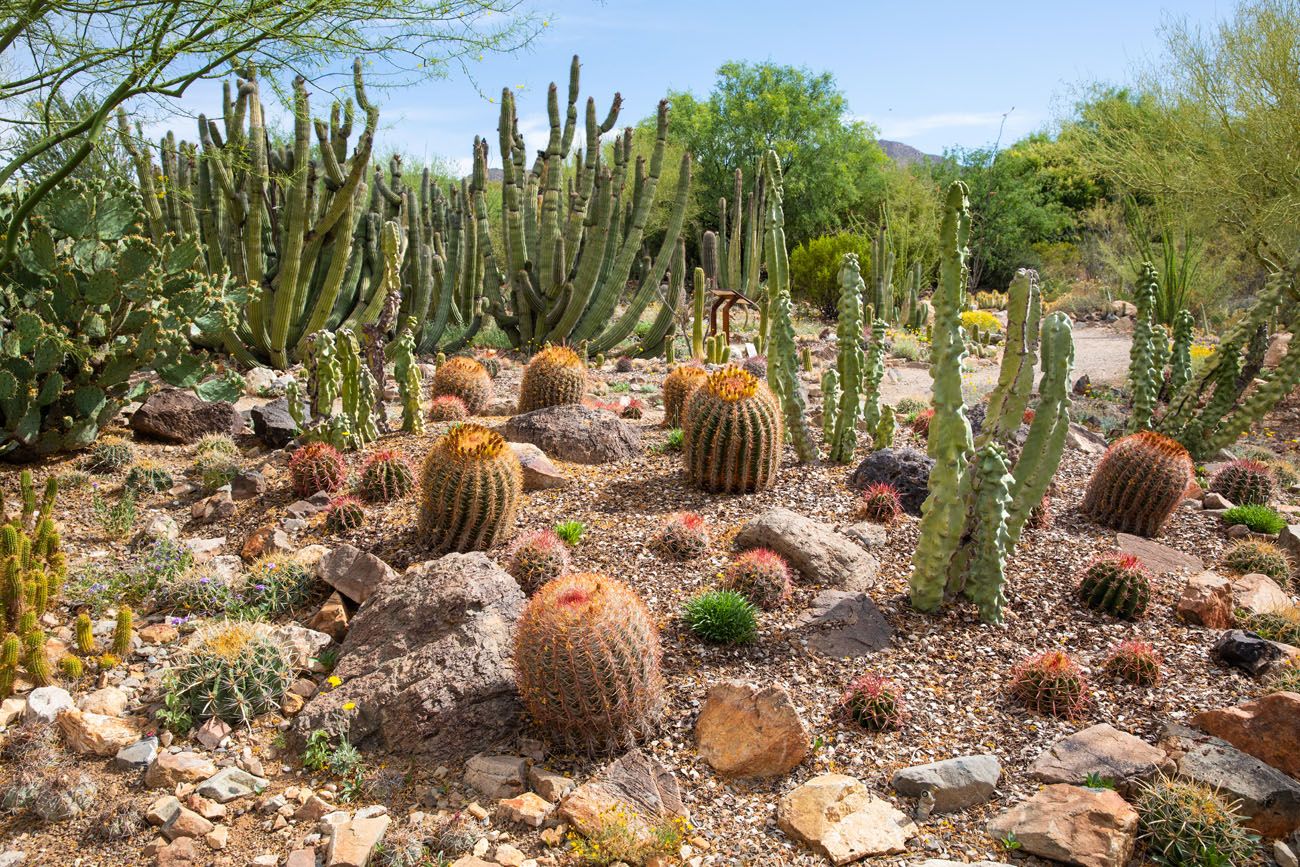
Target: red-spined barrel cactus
[
  {"x": 448, "y": 407},
  {"x": 1245, "y": 483},
  {"x": 1134, "y": 661},
  {"x": 1140, "y": 481},
  {"x": 554, "y": 377},
  {"x": 880, "y": 503},
  {"x": 1116, "y": 584},
  {"x": 316, "y": 467},
  {"x": 587, "y": 664},
  {"x": 386, "y": 477},
  {"x": 733, "y": 433},
  {"x": 678, "y": 385},
  {"x": 537, "y": 558},
  {"x": 345, "y": 514},
  {"x": 1051, "y": 684},
  {"x": 466, "y": 379},
  {"x": 470, "y": 487},
  {"x": 760, "y": 575},
  {"x": 683, "y": 536},
  {"x": 873, "y": 702}
]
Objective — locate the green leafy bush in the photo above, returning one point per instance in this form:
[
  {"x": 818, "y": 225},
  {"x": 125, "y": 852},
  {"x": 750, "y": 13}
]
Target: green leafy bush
[
  {"x": 1261, "y": 519},
  {"x": 815, "y": 267},
  {"x": 722, "y": 617}
]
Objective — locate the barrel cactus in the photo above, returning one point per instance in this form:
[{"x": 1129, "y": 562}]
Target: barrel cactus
[
  {"x": 880, "y": 503},
  {"x": 1245, "y": 483},
  {"x": 537, "y": 558},
  {"x": 111, "y": 454},
  {"x": 1186, "y": 822},
  {"x": 1139, "y": 483},
  {"x": 555, "y": 376},
  {"x": 1051, "y": 684},
  {"x": 345, "y": 514},
  {"x": 470, "y": 486},
  {"x": 678, "y": 385},
  {"x": 316, "y": 467},
  {"x": 233, "y": 671},
  {"x": 733, "y": 433},
  {"x": 760, "y": 575},
  {"x": 148, "y": 477},
  {"x": 386, "y": 477},
  {"x": 873, "y": 702},
  {"x": 1116, "y": 584},
  {"x": 587, "y": 664},
  {"x": 1256, "y": 555},
  {"x": 448, "y": 407},
  {"x": 466, "y": 379},
  {"x": 1134, "y": 661},
  {"x": 683, "y": 536}
]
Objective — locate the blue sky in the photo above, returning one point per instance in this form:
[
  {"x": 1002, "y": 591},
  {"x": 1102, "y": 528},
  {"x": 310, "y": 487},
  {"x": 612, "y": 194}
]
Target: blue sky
[{"x": 930, "y": 74}]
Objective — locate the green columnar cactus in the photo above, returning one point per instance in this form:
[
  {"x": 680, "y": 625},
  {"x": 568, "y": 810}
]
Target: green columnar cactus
[
  {"x": 35, "y": 661},
  {"x": 697, "y": 320},
  {"x": 732, "y": 433},
  {"x": 10, "y": 651},
  {"x": 883, "y": 437},
  {"x": 71, "y": 668},
  {"x": 407, "y": 373},
  {"x": 470, "y": 486},
  {"x": 1142, "y": 375},
  {"x": 554, "y": 377},
  {"x": 85, "y": 635},
  {"x": 122, "y": 633},
  {"x": 849, "y": 361},
  {"x": 358, "y": 393},
  {"x": 882, "y": 278},
  {"x": 1180, "y": 361},
  {"x": 1159, "y": 355},
  {"x": 13, "y": 592},
  {"x": 992, "y": 544},
  {"x": 830, "y": 402},
  {"x": 873, "y": 375},
  {"x": 587, "y": 664}
]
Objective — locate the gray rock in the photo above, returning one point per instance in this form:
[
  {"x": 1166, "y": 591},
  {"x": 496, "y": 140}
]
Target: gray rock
[
  {"x": 955, "y": 783},
  {"x": 908, "y": 470},
  {"x": 820, "y": 554},
  {"x": 636, "y": 784},
  {"x": 939, "y": 862},
  {"x": 846, "y": 625},
  {"x": 304, "y": 644},
  {"x": 427, "y": 662},
  {"x": 137, "y": 756},
  {"x": 247, "y": 485},
  {"x": 1102, "y": 750},
  {"x": 272, "y": 423},
  {"x": 1213, "y": 500},
  {"x": 539, "y": 473},
  {"x": 497, "y": 777},
  {"x": 1158, "y": 558},
  {"x": 356, "y": 574},
  {"x": 1284, "y": 855},
  {"x": 303, "y": 509},
  {"x": 12, "y": 858},
  {"x": 576, "y": 433},
  {"x": 230, "y": 784},
  {"x": 1289, "y": 539},
  {"x": 180, "y": 416},
  {"x": 867, "y": 534},
  {"x": 44, "y": 703},
  {"x": 1084, "y": 440},
  {"x": 1269, "y": 799}
]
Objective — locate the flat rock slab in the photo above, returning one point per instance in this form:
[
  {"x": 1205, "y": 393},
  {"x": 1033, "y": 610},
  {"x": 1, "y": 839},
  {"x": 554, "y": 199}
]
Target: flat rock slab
[
  {"x": 838, "y": 817},
  {"x": 1267, "y": 728},
  {"x": 955, "y": 783},
  {"x": 747, "y": 731},
  {"x": 845, "y": 625},
  {"x": 638, "y": 786},
  {"x": 1074, "y": 825},
  {"x": 1156, "y": 557},
  {"x": 1269, "y": 800},
  {"x": 819, "y": 553},
  {"x": 1102, "y": 750},
  {"x": 575, "y": 433},
  {"x": 180, "y": 416}
]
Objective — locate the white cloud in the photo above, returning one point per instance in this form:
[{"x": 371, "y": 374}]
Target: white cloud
[{"x": 907, "y": 129}]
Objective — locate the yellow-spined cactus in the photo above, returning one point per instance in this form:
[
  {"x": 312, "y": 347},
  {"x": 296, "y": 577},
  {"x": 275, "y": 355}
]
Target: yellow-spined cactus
[
  {"x": 470, "y": 487},
  {"x": 678, "y": 385},
  {"x": 733, "y": 433},
  {"x": 555, "y": 376},
  {"x": 466, "y": 379}
]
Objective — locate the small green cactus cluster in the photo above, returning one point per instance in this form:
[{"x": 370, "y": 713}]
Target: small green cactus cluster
[
  {"x": 123, "y": 632},
  {"x": 85, "y": 636},
  {"x": 760, "y": 575},
  {"x": 1256, "y": 555},
  {"x": 111, "y": 454},
  {"x": 216, "y": 461},
  {"x": 148, "y": 477},
  {"x": 1116, "y": 584},
  {"x": 386, "y": 477},
  {"x": 874, "y": 702},
  {"x": 71, "y": 668},
  {"x": 233, "y": 671},
  {"x": 1051, "y": 684},
  {"x": 722, "y": 617},
  {"x": 337, "y": 369},
  {"x": 463, "y": 377},
  {"x": 1245, "y": 483},
  {"x": 1134, "y": 661},
  {"x": 554, "y": 377},
  {"x": 317, "y": 466},
  {"x": 683, "y": 536},
  {"x": 880, "y": 503},
  {"x": 716, "y": 349},
  {"x": 587, "y": 664},
  {"x": 679, "y": 384},
  {"x": 1187, "y": 823},
  {"x": 1139, "y": 483},
  {"x": 345, "y": 514},
  {"x": 536, "y": 559},
  {"x": 32, "y": 571},
  {"x": 733, "y": 434},
  {"x": 447, "y": 407},
  {"x": 277, "y": 584},
  {"x": 406, "y": 371},
  {"x": 10, "y": 656},
  {"x": 491, "y": 362},
  {"x": 470, "y": 486}
]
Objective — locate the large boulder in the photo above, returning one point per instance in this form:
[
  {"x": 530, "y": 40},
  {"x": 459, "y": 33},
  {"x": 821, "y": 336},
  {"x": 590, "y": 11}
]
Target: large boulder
[
  {"x": 1268, "y": 728},
  {"x": 425, "y": 666},
  {"x": 1102, "y": 750},
  {"x": 747, "y": 731},
  {"x": 838, "y": 817},
  {"x": 180, "y": 416},
  {"x": 908, "y": 470},
  {"x": 272, "y": 423},
  {"x": 845, "y": 625},
  {"x": 820, "y": 554},
  {"x": 955, "y": 784},
  {"x": 1072, "y": 824},
  {"x": 575, "y": 433}
]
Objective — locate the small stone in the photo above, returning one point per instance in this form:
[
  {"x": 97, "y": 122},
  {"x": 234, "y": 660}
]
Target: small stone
[
  {"x": 1246, "y": 651},
  {"x": 210, "y": 810},
  {"x": 264, "y": 542},
  {"x": 94, "y": 734},
  {"x": 1087, "y": 827},
  {"x": 813, "y": 548},
  {"x": 331, "y": 618},
  {"x": 747, "y": 731},
  {"x": 550, "y": 785},
  {"x": 109, "y": 701},
  {"x": 867, "y": 534},
  {"x": 1207, "y": 601},
  {"x": 526, "y": 809},
  {"x": 230, "y": 784},
  {"x": 1216, "y": 501},
  {"x": 1238, "y": 531},
  {"x": 12, "y": 710},
  {"x": 1284, "y": 855},
  {"x": 845, "y": 625},
  {"x": 272, "y": 423},
  {"x": 179, "y": 853},
  {"x": 247, "y": 485},
  {"x": 508, "y": 856},
  {"x": 313, "y": 809},
  {"x": 186, "y": 823},
  {"x": 352, "y": 842},
  {"x": 301, "y": 858},
  {"x": 218, "y": 837},
  {"x": 162, "y": 810},
  {"x": 212, "y": 733},
  {"x": 955, "y": 784},
  {"x": 1259, "y": 594},
  {"x": 539, "y": 473},
  {"x": 158, "y": 633},
  {"x": 44, "y": 704},
  {"x": 1267, "y": 728},
  {"x": 171, "y": 769},
  {"x": 304, "y": 644},
  {"x": 137, "y": 756},
  {"x": 496, "y": 776},
  {"x": 836, "y": 816}
]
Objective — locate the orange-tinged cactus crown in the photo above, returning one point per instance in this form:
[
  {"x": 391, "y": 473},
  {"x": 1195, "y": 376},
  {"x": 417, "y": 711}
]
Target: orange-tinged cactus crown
[
  {"x": 474, "y": 442},
  {"x": 557, "y": 356},
  {"x": 732, "y": 383}
]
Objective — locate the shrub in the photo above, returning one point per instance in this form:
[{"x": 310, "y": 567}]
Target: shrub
[
  {"x": 1186, "y": 824},
  {"x": 276, "y": 584},
  {"x": 232, "y": 671},
  {"x": 618, "y": 835},
  {"x": 1116, "y": 584},
  {"x": 110, "y": 455},
  {"x": 722, "y": 617},
  {"x": 448, "y": 407},
  {"x": 880, "y": 503},
  {"x": 386, "y": 477},
  {"x": 537, "y": 558},
  {"x": 196, "y": 594},
  {"x": 317, "y": 466},
  {"x": 761, "y": 576},
  {"x": 1284, "y": 472},
  {"x": 345, "y": 514},
  {"x": 1244, "y": 483},
  {"x": 981, "y": 319},
  {"x": 1051, "y": 684},
  {"x": 1261, "y": 519},
  {"x": 815, "y": 267},
  {"x": 910, "y": 406},
  {"x": 115, "y": 519},
  {"x": 873, "y": 702},
  {"x": 570, "y": 532},
  {"x": 1136, "y": 662},
  {"x": 215, "y": 469},
  {"x": 683, "y": 536},
  {"x": 909, "y": 348},
  {"x": 673, "y": 440},
  {"x": 1286, "y": 678},
  {"x": 1256, "y": 555}
]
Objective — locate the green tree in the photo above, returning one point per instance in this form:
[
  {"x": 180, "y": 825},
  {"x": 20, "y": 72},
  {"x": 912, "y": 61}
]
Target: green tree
[{"x": 830, "y": 162}]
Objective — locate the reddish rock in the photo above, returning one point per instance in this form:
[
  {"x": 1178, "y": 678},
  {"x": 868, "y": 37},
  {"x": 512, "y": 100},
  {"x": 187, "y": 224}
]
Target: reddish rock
[
  {"x": 186, "y": 823},
  {"x": 172, "y": 768},
  {"x": 158, "y": 633},
  {"x": 265, "y": 541},
  {"x": 179, "y": 853},
  {"x": 1259, "y": 594},
  {"x": 527, "y": 809},
  {"x": 745, "y": 731},
  {"x": 1087, "y": 827},
  {"x": 332, "y": 618},
  {"x": 1207, "y": 601},
  {"x": 1267, "y": 728}
]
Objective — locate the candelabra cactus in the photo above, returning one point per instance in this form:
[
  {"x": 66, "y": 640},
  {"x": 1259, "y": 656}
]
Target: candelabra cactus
[
  {"x": 830, "y": 402},
  {"x": 1140, "y": 481},
  {"x": 848, "y": 363},
  {"x": 1245, "y": 483},
  {"x": 386, "y": 477},
  {"x": 1117, "y": 585},
  {"x": 733, "y": 433},
  {"x": 336, "y": 370},
  {"x": 553, "y": 377},
  {"x": 587, "y": 664},
  {"x": 873, "y": 375},
  {"x": 680, "y": 382},
  {"x": 978, "y": 501},
  {"x": 316, "y": 467},
  {"x": 470, "y": 486},
  {"x": 407, "y": 373}
]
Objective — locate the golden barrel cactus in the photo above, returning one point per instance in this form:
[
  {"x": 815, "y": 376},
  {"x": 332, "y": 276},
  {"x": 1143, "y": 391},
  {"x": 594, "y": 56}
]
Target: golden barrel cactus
[
  {"x": 470, "y": 487},
  {"x": 733, "y": 433}
]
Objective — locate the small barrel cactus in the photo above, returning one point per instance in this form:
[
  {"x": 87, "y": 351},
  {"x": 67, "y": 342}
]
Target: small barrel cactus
[
  {"x": 680, "y": 382},
  {"x": 633, "y": 409},
  {"x": 1116, "y": 584},
  {"x": 1134, "y": 661},
  {"x": 1245, "y": 483},
  {"x": 345, "y": 514},
  {"x": 148, "y": 477},
  {"x": 1139, "y": 483},
  {"x": 624, "y": 364},
  {"x": 70, "y": 667},
  {"x": 921, "y": 424},
  {"x": 316, "y": 467},
  {"x": 873, "y": 702},
  {"x": 448, "y": 407},
  {"x": 760, "y": 575},
  {"x": 537, "y": 558},
  {"x": 386, "y": 477},
  {"x": 733, "y": 433},
  {"x": 553, "y": 377},
  {"x": 1184, "y": 822},
  {"x": 587, "y": 663},
  {"x": 466, "y": 379},
  {"x": 756, "y": 365},
  {"x": 470, "y": 486},
  {"x": 122, "y": 632},
  {"x": 233, "y": 671},
  {"x": 276, "y": 584},
  {"x": 110, "y": 455},
  {"x": 1051, "y": 684},
  {"x": 684, "y": 536},
  {"x": 880, "y": 503},
  {"x": 1256, "y": 555}
]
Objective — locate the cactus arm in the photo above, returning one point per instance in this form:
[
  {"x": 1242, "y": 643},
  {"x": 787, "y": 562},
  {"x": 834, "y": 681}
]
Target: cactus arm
[
  {"x": 663, "y": 322},
  {"x": 873, "y": 375},
  {"x": 830, "y": 402},
  {"x": 144, "y": 172},
  {"x": 991, "y": 543},
  {"x": 1010, "y": 397},
  {"x": 849, "y": 361},
  {"x": 1142, "y": 376},
  {"x": 697, "y": 319},
  {"x": 1181, "y": 356}
]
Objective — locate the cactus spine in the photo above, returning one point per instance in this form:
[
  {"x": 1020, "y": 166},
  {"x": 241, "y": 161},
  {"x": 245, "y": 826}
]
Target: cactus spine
[
  {"x": 678, "y": 385},
  {"x": 849, "y": 362},
  {"x": 471, "y": 485}
]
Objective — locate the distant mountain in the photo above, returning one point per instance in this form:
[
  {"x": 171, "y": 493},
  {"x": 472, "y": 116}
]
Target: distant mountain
[{"x": 904, "y": 154}]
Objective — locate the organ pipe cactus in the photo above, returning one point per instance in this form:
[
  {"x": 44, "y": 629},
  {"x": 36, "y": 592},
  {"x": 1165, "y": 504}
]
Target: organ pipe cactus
[
  {"x": 1142, "y": 373},
  {"x": 849, "y": 362},
  {"x": 740, "y": 241},
  {"x": 979, "y": 500}
]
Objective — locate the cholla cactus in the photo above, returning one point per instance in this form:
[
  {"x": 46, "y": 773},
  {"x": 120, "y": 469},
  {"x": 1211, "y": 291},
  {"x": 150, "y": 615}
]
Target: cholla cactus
[
  {"x": 760, "y": 575},
  {"x": 233, "y": 671},
  {"x": 587, "y": 664},
  {"x": 537, "y": 558},
  {"x": 1116, "y": 584},
  {"x": 874, "y": 702},
  {"x": 1180, "y": 357},
  {"x": 880, "y": 503},
  {"x": 316, "y": 467},
  {"x": 679, "y": 384},
  {"x": 470, "y": 486},
  {"x": 448, "y": 407},
  {"x": 345, "y": 514},
  {"x": 1134, "y": 661},
  {"x": 684, "y": 536},
  {"x": 463, "y": 377},
  {"x": 1245, "y": 483},
  {"x": 1051, "y": 684},
  {"x": 386, "y": 477},
  {"x": 1139, "y": 483},
  {"x": 735, "y": 416},
  {"x": 553, "y": 377}
]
